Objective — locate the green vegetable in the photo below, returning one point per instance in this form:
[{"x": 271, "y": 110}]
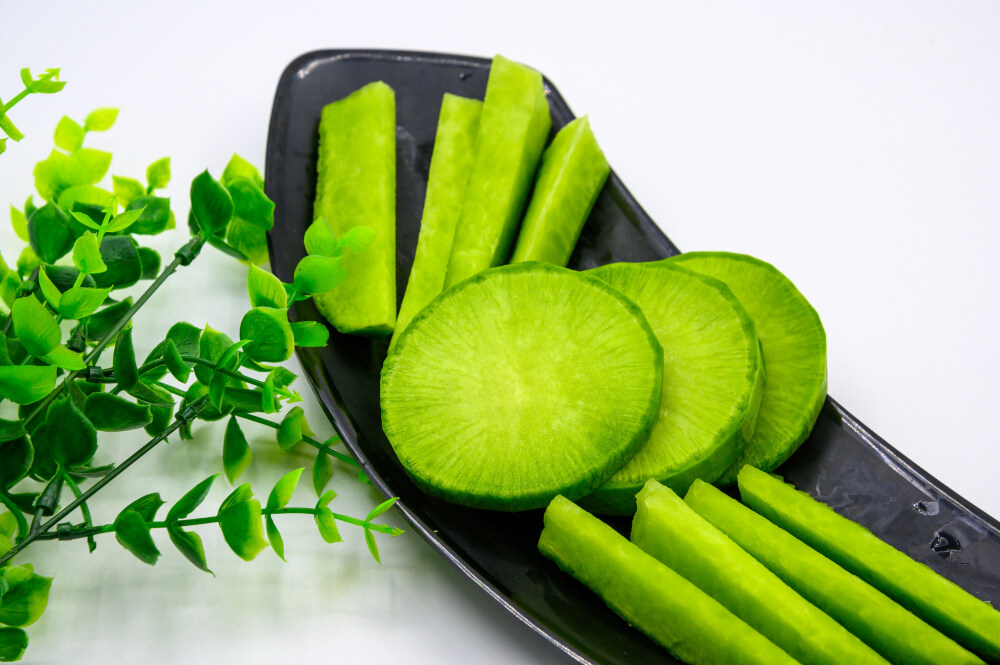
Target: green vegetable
[
  {"x": 692, "y": 625},
  {"x": 488, "y": 396},
  {"x": 713, "y": 378},
  {"x": 868, "y": 613},
  {"x": 667, "y": 528},
  {"x": 794, "y": 345},
  {"x": 356, "y": 185},
  {"x": 940, "y": 602},
  {"x": 454, "y": 151},
  {"x": 512, "y": 131},
  {"x": 571, "y": 176}
]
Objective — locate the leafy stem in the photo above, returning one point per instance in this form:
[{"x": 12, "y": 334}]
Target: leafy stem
[
  {"x": 322, "y": 447},
  {"x": 185, "y": 416},
  {"x": 84, "y": 508}
]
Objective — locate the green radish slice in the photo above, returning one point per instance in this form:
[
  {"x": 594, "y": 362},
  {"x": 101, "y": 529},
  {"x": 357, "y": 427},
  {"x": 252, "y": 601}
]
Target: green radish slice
[
  {"x": 519, "y": 384},
  {"x": 861, "y": 608},
  {"x": 356, "y": 185},
  {"x": 676, "y": 614},
  {"x": 571, "y": 176},
  {"x": 713, "y": 379},
  {"x": 454, "y": 150},
  {"x": 794, "y": 344},
  {"x": 512, "y": 131},
  {"x": 942, "y": 603},
  {"x": 670, "y": 531}
]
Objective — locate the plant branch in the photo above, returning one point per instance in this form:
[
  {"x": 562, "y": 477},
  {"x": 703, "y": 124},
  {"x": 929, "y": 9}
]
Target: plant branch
[
  {"x": 322, "y": 447},
  {"x": 185, "y": 416}
]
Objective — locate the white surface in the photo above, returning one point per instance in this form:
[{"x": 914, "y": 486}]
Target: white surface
[{"x": 855, "y": 145}]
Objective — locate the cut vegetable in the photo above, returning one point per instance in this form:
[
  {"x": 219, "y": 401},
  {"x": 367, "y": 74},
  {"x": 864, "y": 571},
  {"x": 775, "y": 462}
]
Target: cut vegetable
[
  {"x": 356, "y": 186},
  {"x": 521, "y": 383},
  {"x": 454, "y": 150},
  {"x": 571, "y": 176},
  {"x": 868, "y": 613},
  {"x": 942, "y": 603},
  {"x": 712, "y": 380},
  {"x": 670, "y": 610},
  {"x": 512, "y": 132},
  {"x": 669, "y": 530},
  {"x": 794, "y": 345}
]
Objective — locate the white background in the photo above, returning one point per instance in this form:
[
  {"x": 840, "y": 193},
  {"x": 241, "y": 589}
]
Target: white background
[{"x": 856, "y": 145}]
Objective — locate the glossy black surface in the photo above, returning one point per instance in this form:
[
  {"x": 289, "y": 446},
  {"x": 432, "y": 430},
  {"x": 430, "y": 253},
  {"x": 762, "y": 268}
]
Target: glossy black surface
[{"x": 843, "y": 463}]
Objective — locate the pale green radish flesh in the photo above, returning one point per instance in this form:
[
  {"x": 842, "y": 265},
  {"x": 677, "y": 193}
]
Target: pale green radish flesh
[
  {"x": 454, "y": 150},
  {"x": 880, "y": 622},
  {"x": 650, "y": 596},
  {"x": 512, "y": 131},
  {"x": 669, "y": 530},
  {"x": 572, "y": 173},
  {"x": 712, "y": 380},
  {"x": 939, "y": 601},
  {"x": 356, "y": 185},
  {"x": 794, "y": 344},
  {"x": 521, "y": 383}
]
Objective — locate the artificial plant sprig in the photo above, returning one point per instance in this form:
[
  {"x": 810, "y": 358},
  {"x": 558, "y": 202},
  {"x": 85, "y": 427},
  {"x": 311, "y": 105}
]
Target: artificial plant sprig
[{"x": 46, "y": 83}]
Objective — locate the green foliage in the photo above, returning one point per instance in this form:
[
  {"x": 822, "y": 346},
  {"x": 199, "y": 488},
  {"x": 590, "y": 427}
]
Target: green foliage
[
  {"x": 318, "y": 274},
  {"x": 71, "y": 436},
  {"x": 158, "y": 174},
  {"x": 211, "y": 204},
  {"x": 132, "y": 532},
  {"x": 292, "y": 428},
  {"x": 13, "y": 641},
  {"x": 265, "y": 289},
  {"x": 25, "y": 595},
  {"x": 269, "y": 333},
  {"x": 240, "y": 522},
  {"x": 26, "y": 384},
  {"x": 111, "y": 413},
  {"x": 236, "y": 453},
  {"x": 126, "y": 371},
  {"x": 310, "y": 333}
]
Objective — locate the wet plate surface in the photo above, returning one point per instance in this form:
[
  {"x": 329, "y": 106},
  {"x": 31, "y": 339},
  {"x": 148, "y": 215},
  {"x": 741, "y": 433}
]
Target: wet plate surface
[{"x": 843, "y": 463}]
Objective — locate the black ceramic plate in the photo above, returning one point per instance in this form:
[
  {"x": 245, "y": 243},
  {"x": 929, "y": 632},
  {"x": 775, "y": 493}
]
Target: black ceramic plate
[{"x": 843, "y": 463}]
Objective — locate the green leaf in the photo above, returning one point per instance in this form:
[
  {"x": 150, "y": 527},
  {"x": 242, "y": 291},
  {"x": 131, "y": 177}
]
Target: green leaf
[
  {"x": 111, "y": 413},
  {"x": 358, "y": 238},
  {"x": 240, "y": 522},
  {"x": 52, "y": 293},
  {"x": 158, "y": 174},
  {"x": 126, "y": 371},
  {"x": 282, "y": 491},
  {"x": 35, "y": 328},
  {"x": 121, "y": 222},
  {"x": 187, "y": 503},
  {"x": 126, "y": 189},
  {"x": 241, "y": 168},
  {"x": 211, "y": 204},
  {"x": 189, "y": 544},
  {"x": 236, "y": 453},
  {"x": 10, "y": 430},
  {"x": 69, "y": 134},
  {"x": 25, "y": 384},
  {"x": 267, "y": 396},
  {"x": 228, "y": 360},
  {"x": 100, "y": 323},
  {"x": 292, "y": 428},
  {"x": 63, "y": 358},
  {"x": 46, "y": 83},
  {"x": 100, "y": 120},
  {"x": 155, "y": 217},
  {"x": 59, "y": 171},
  {"x": 318, "y": 274},
  {"x": 147, "y": 506},
  {"x": 310, "y": 333},
  {"x": 162, "y": 415},
  {"x": 20, "y": 223},
  {"x": 80, "y": 302},
  {"x": 132, "y": 533},
  {"x": 87, "y": 254},
  {"x": 265, "y": 289},
  {"x": 13, "y": 641},
  {"x": 211, "y": 347},
  {"x": 322, "y": 472},
  {"x": 274, "y": 537},
  {"x": 94, "y": 162},
  {"x": 49, "y": 233},
  {"x": 26, "y": 264},
  {"x": 325, "y": 498},
  {"x": 372, "y": 545},
  {"x": 72, "y": 437},
  {"x": 121, "y": 255},
  {"x": 320, "y": 241},
  {"x": 150, "y": 260},
  {"x": 175, "y": 364},
  {"x": 78, "y": 197},
  {"x": 10, "y": 129},
  {"x": 185, "y": 338},
  {"x": 9, "y": 287},
  {"x": 270, "y": 335},
  {"x": 16, "y": 456},
  {"x": 381, "y": 508},
  {"x": 3, "y": 149},
  {"x": 248, "y": 240},
  {"x": 25, "y": 595},
  {"x": 152, "y": 395},
  {"x": 251, "y": 204},
  {"x": 86, "y": 219},
  {"x": 327, "y": 525}
]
